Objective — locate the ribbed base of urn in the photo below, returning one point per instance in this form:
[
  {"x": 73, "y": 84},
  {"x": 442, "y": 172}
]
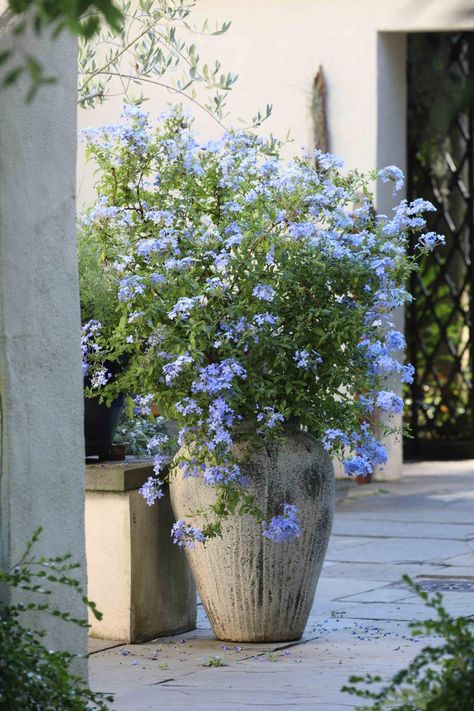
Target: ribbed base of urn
[{"x": 253, "y": 589}]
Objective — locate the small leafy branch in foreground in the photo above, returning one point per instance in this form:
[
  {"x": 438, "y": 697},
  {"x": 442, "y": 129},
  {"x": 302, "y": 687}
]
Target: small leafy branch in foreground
[
  {"x": 82, "y": 18},
  {"x": 31, "y": 675},
  {"x": 440, "y": 678}
]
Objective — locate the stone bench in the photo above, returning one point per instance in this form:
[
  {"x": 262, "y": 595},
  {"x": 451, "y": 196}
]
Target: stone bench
[{"x": 137, "y": 577}]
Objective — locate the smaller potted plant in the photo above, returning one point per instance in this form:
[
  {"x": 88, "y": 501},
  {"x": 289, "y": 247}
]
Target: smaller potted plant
[{"x": 98, "y": 293}]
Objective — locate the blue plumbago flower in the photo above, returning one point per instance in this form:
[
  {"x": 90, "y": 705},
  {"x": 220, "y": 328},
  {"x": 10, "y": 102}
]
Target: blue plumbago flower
[
  {"x": 173, "y": 369},
  {"x": 265, "y": 318},
  {"x": 233, "y": 241},
  {"x": 373, "y": 451},
  {"x": 215, "y": 283},
  {"x": 430, "y": 240},
  {"x": 380, "y": 361},
  {"x": 220, "y": 413},
  {"x": 334, "y": 437},
  {"x": 302, "y": 230},
  {"x": 143, "y": 405},
  {"x": 188, "y": 406},
  {"x": 185, "y": 535},
  {"x": 147, "y": 246},
  {"x": 156, "y": 278},
  {"x": 285, "y": 527},
  {"x": 162, "y": 218},
  {"x": 160, "y": 460},
  {"x": 270, "y": 256},
  {"x": 157, "y": 442},
  {"x": 151, "y": 490},
  {"x": 216, "y": 377},
  {"x": 327, "y": 160},
  {"x": 191, "y": 467},
  {"x": 182, "y": 307},
  {"x": 394, "y": 174},
  {"x": 223, "y": 474},
  {"x": 382, "y": 265},
  {"x": 100, "y": 378},
  {"x": 264, "y": 292},
  {"x": 120, "y": 266},
  {"x": 220, "y": 420},
  {"x": 90, "y": 332},
  {"x": 367, "y": 402},
  {"x": 357, "y": 466},
  {"x": 268, "y": 418},
  {"x": 408, "y": 373},
  {"x": 178, "y": 265},
  {"x": 241, "y": 331},
  {"x": 389, "y": 402},
  {"x": 418, "y": 205},
  {"x": 129, "y": 287},
  {"x": 91, "y": 328},
  {"x": 231, "y": 206},
  {"x": 395, "y": 341},
  {"x": 387, "y": 365},
  {"x": 104, "y": 211},
  {"x": 389, "y": 299},
  {"x": 307, "y": 359}
]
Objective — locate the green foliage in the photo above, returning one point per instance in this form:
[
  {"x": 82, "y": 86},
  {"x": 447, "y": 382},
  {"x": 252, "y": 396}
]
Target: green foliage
[
  {"x": 97, "y": 283},
  {"x": 231, "y": 258},
  {"x": 440, "y": 678},
  {"x": 33, "y": 677},
  {"x": 200, "y": 205}
]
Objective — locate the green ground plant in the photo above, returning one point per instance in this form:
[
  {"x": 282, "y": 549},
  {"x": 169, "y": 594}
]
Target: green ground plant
[
  {"x": 32, "y": 676},
  {"x": 440, "y": 678}
]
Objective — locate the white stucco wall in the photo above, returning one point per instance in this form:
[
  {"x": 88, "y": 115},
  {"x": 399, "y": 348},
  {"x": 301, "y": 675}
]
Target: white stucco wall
[
  {"x": 41, "y": 416},
  {"x": 276, "y": 47}
]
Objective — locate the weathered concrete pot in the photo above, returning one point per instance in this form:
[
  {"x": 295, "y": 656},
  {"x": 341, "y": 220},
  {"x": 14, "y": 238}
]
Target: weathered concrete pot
[{"x": 255, "y": 590}]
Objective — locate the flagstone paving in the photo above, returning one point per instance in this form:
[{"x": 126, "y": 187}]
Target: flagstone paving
[{"x": 422, "y": 525}]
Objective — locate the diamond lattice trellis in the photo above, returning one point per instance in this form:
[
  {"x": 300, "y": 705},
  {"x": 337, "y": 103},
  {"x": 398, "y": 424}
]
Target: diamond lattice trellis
[{"x": 440, "y": 169}]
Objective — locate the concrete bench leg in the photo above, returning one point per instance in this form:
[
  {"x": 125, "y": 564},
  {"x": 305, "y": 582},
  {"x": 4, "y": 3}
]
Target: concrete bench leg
[{"x": 137, "y": 577}]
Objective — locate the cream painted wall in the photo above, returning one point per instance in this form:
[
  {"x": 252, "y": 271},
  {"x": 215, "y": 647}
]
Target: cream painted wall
[{"x": 276, "y": 47}]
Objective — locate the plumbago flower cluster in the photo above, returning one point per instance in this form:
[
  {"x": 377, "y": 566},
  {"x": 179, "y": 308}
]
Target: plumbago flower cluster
[{"x": 253, "y": 292}]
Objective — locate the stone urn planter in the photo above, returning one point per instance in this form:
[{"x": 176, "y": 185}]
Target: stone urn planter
[{"x": 253, "y": 589}]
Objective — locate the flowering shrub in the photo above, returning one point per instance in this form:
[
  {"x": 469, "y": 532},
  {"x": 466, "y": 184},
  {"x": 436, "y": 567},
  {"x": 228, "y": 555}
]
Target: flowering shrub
[{"x": 251, "y": 290}]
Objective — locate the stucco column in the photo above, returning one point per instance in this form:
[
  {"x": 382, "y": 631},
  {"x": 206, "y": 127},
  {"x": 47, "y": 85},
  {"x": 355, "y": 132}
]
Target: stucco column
[
  {"x": 391, "y": 150},
  {"x": 41, "y": 445}
]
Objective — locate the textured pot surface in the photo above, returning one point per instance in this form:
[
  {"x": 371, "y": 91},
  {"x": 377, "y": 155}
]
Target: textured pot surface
[{"x": 252, "y": 588}]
